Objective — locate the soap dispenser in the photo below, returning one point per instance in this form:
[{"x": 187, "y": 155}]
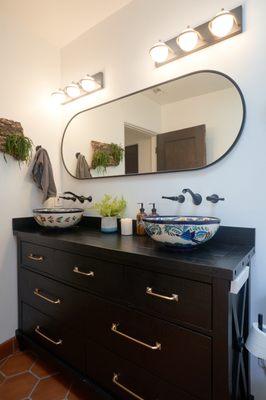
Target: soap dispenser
[
  {"x": 139, "y": 223},
  {"x": 153, "y": 211}
]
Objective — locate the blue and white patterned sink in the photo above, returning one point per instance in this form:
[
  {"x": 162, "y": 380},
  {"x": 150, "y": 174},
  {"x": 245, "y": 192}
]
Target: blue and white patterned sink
[{"x": 181, "y": 231}]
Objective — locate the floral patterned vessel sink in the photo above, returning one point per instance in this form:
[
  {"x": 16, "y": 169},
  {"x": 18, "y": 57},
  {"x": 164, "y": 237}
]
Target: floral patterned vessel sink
[
  {"x": 181, "y": 232},
  {"x": 58, "y": 217}
]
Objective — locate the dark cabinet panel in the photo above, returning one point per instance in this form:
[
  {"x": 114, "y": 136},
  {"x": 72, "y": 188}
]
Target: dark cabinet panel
[
  {"x": 37, "y": 257},
  {"x": 57, "y": 338},
  {"x": 95, "y": 275},
  {"x": 126, "y": 380},
  {"x": 172, "y": 353},
  {"x": 174, "y": 299},
  {"x": 53, "y": 298}
]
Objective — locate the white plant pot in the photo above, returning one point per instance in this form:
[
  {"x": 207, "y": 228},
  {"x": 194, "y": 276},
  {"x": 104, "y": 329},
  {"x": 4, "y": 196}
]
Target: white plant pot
[{"x": 109, "y": 224}]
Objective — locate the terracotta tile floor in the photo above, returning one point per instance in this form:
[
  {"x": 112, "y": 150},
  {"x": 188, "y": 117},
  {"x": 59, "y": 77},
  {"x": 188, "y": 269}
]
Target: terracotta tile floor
[{"x": 23, "y": 376}]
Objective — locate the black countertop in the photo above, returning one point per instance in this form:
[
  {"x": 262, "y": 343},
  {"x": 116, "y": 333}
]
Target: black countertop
[{"x": 224, "y": 256}]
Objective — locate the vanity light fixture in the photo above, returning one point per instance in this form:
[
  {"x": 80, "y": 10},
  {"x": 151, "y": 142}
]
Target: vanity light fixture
[
  {"x": 87, "y": 85},
  {"x": 58, "y": 96},
  {"x": 159, "y": 52},
  {"x": 224, "y": 25},
  {"x": 72, "y": 90},
  {"x": 188, "y": 39}
]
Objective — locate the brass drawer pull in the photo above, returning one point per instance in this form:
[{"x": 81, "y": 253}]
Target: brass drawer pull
[
  {"x": 157, "y": 346},
  {"x": 77, "y": 271},
  {"x": 150, "y": 292},
  {"x": 115, "y": 381},
  {"x": 35, "y": 258},
  {"x": 37, "y": 330},
  {"x": 38, "y": 293}
]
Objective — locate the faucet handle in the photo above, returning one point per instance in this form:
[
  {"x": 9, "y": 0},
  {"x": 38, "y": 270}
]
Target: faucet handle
[
  {"x": 214, "y": 198},
  {"x": 179, "y": 198}
]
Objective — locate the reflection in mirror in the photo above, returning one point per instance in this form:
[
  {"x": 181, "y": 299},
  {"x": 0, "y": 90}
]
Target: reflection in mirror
[{"x": 184, "y": 124}]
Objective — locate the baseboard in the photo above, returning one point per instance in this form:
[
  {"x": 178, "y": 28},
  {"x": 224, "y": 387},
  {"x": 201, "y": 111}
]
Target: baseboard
[{"x": 7, "y": 348}]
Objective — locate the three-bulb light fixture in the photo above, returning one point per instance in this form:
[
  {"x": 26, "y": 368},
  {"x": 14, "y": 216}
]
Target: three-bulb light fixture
[
  {"x": 225, "y": 24},
  {"x": 73, "y": 91}
]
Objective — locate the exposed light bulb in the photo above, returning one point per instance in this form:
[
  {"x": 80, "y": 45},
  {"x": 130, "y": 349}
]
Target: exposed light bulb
[
  {"x": 89, "y": 84},
  {"x": 159, "y": 52},
  {"x": 222, "y": 24},
  {"x": 188, "y": 39},
  {"x": 72, "y": 90},
  {"x": 58, "y": 96}
]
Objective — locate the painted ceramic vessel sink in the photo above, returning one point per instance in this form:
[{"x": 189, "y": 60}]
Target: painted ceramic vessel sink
[
  {"x": 182, "y": 232},
  {"x": 58, "y": 217}
]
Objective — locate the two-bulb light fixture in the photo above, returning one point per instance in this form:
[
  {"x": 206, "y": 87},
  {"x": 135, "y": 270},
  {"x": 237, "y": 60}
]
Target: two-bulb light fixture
[
  {"x": 87, "y": 85},
  {"x": 224, "y": 25}
]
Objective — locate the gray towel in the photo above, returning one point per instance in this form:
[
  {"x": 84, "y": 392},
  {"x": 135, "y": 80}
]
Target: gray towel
[
  {"x": 42, "y": 174},
  {"x": 83, "y": 169}
]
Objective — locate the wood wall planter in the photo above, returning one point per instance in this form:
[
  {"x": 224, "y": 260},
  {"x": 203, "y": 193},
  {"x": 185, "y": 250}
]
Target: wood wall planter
[{"x": 8, "y": 127}]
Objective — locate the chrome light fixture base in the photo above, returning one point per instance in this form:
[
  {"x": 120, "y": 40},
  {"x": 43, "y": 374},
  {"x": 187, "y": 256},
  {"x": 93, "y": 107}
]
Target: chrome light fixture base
[
  {"x": 98, "y": 78},
  {"x": 206, "y": 37}
]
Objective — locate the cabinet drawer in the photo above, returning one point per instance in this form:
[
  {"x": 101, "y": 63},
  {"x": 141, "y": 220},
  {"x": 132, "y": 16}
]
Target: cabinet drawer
[
  {"x": 53, "y": 298},
  {"x": 126, "y": 380},
  {"x": 37, "y": 257},
  {"x": 60, "y": 340},
  {"x": 93, "y": 274},
  {"x": 177, "y": 355},
  {"x": 174, "y": 299}
]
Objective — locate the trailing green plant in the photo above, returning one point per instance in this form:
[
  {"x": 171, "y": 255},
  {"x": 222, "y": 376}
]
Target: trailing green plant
[
  {"x": 106, "y": 157},
  {"x": 111, "y": 207},
  {"x": 100, "y": 161},
  {"x": 116, "y": 152},
  {"x": 19, "y": 147}
]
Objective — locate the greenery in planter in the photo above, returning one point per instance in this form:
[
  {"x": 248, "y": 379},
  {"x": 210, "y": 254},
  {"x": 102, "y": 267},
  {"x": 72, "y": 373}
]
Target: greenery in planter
[
  {"x": 100, "y": 161},
  {"x": 111, "y": 207},
  {"x": 117, "y": 153},
  {"x": 19, "y": 147},
  {"x": 106, "y": 157}
]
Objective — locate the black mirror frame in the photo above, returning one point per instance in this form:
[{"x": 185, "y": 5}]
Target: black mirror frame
[{"x": 151, "y": 87}]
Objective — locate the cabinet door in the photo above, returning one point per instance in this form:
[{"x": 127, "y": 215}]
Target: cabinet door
[
  {"x": 62, "y": 341},
  {"x": 60, "y": 301},
  {"x": 174, "y": 299},
  {"x": 177, "y": 355},
  {"x": 125, "y": 380}
]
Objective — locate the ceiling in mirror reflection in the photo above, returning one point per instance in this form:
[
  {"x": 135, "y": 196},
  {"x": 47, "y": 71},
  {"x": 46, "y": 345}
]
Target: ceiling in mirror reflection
[{"x": 184, "y": 124}]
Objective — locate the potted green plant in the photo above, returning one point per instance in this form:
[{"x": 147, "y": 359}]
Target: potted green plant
[{"x": 110, "y": 208}]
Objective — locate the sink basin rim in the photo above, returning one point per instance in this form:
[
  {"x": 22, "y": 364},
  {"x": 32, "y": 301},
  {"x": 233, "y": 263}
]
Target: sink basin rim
[
  {"x": 182, "y": 220},
  {"x": 58, "y": 210}
]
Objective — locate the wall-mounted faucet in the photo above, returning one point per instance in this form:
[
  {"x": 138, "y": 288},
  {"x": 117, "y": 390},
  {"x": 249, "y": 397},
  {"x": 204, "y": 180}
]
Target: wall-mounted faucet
[
  {"x": 214, "y": 198},
  {"x": 75, "y": 197},
  {"x": 179, "y": 199},
  {"x": 196, "y": 197}
]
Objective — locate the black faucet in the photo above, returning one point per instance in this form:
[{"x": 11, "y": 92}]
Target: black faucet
[
  {"x": 179, "y": 198},
  {"x": 196, "y": 197},
  {"x": 214, "y": 198},
  {"x": 75, "y": 197}
]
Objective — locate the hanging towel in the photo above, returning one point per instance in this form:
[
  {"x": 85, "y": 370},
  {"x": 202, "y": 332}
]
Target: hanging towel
[
  {"x": 42, "y": 174},
  {"x": 83, "y": 169}
]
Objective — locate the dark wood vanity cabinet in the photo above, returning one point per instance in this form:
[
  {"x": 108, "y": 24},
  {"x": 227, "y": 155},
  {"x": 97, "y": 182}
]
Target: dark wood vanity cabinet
[{"x": 136, "y": 326}]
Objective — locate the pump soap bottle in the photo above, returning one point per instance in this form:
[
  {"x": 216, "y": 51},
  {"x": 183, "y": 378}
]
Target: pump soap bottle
[
  {"x": 139, "y": 223},
  {"x": 153, "y": 211}
]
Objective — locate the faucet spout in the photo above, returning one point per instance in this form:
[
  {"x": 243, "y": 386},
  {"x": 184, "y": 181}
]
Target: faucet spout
[{"x": 196, "y": 197}]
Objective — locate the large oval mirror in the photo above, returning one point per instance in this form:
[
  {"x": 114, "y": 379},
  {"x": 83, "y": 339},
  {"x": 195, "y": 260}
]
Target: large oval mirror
[{"x": 187, "y": 123}]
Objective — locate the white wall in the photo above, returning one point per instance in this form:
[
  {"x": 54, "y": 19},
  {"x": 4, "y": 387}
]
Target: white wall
[
  {"x": 119, "y": 46},
  {"x": 29, "y": 72}
]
